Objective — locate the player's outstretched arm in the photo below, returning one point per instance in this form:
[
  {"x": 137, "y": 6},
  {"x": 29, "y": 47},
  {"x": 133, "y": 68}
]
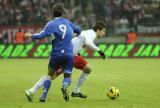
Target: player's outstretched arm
[
  {"x": 40, "y": 35},
  {"x": 101, "y": 53},
  {"x": 27, "y": 35},
  {"x": 45, "y": 32},
  {"x": 91, "y": 45}
]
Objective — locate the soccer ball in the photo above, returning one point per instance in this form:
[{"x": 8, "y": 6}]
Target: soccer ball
[{"x": 113, "y": 93}]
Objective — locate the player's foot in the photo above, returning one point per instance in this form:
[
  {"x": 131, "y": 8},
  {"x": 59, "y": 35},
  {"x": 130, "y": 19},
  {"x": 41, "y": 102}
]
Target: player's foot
[
  {"x": 42, "y": 99},
  {"x": 65, "y": 94},
  {"x": 29, "y": 95},
  {"x": 78, "y": 95}
]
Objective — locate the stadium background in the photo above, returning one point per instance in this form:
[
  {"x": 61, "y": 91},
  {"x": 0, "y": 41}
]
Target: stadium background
[
  {"x": 137, "y": 79},
  {"x": 121, "y": 16}
]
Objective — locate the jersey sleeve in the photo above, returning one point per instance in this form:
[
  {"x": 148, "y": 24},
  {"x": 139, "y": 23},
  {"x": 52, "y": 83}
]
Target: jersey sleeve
[
  {"x": 90, "y": 43},
  {"x": 75, "y": 28},
  {"x": 45, "y": 32}
]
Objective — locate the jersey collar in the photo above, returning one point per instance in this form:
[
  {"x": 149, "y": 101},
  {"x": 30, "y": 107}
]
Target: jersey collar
[{"x": 57, "y": 17}]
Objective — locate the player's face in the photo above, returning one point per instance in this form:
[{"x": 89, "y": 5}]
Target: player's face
[{"x": 101, "y": 33}]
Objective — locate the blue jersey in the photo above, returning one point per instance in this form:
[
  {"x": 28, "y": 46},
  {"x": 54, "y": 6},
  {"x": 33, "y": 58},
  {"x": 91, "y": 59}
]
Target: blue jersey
[{"x": 63, "y": 30}]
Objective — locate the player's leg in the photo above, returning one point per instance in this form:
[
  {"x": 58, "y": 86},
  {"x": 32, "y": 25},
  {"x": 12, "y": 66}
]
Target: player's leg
[
  {"x": 67, "y": 66},
  {"x": 82, "y": 78},
  {"x": 52, "y": 67},
  {"x": 65, "y": 84},
  {"x": 37, "y": 85},
  {"x": 80, "y": 63},
  {"x": 47, "y": 84},
  {"x": 57, "y": 73},
  {"x": 40, "y": 82},
  {"x": 29, "y": 93}
]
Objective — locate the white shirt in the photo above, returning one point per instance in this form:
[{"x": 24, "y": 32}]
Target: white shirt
[{"x": 87, "y": 38}]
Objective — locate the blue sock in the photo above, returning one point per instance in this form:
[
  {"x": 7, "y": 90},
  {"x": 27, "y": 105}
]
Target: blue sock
[
  {"x": 66, "y": 82},
  {"x": 46, "y": 86}
]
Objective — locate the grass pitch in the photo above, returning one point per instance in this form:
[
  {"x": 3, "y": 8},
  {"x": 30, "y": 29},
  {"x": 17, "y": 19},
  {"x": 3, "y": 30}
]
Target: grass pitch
[{"x": 137, "y": 79}]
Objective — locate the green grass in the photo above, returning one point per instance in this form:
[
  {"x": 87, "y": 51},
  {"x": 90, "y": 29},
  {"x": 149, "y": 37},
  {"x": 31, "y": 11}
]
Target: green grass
[{"x": 137, "y": 79}]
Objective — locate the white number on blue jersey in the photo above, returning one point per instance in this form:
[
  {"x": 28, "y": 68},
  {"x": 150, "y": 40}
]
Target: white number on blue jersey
[{"x": 63, "y": 29}]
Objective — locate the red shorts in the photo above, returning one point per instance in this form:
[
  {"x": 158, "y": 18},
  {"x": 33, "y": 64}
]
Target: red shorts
[{"x": 79, "y": 62}]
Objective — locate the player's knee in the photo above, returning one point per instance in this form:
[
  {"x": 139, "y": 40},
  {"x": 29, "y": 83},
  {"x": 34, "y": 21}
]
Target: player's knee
[
  {"x": 50, "y": 73},
  {"x": 87, "y": 70}
]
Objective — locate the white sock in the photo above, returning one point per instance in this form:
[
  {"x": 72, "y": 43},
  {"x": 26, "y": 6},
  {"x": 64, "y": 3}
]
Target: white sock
[
  {"x": 38, "y": 84},
  {"x": 80, "y": 81}
]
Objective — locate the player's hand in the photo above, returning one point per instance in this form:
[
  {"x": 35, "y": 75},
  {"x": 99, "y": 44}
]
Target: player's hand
[
  {"x": 27, "y": 35},
  {"x": 101, "y": 53}
]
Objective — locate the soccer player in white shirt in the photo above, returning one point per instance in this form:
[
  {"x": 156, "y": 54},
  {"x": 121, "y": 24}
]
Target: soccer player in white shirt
[{"x": 86, "y": 39}]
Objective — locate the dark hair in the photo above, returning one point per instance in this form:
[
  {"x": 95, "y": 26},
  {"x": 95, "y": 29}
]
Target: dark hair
[
  {"x": 57, "y": 10},
  {"x": 99, "y": 25}
]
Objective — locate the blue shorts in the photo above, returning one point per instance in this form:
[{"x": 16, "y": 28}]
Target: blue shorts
[{"x": 64, "y": 61}]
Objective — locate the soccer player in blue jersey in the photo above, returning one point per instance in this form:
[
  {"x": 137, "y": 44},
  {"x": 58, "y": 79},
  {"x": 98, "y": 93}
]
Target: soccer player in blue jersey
[{"x": 62, "y": 49}]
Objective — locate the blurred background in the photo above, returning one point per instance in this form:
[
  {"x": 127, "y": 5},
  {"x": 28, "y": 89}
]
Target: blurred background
[
  {"x": 128, "y": 21},
  {"x": 133, "y": 31}
]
